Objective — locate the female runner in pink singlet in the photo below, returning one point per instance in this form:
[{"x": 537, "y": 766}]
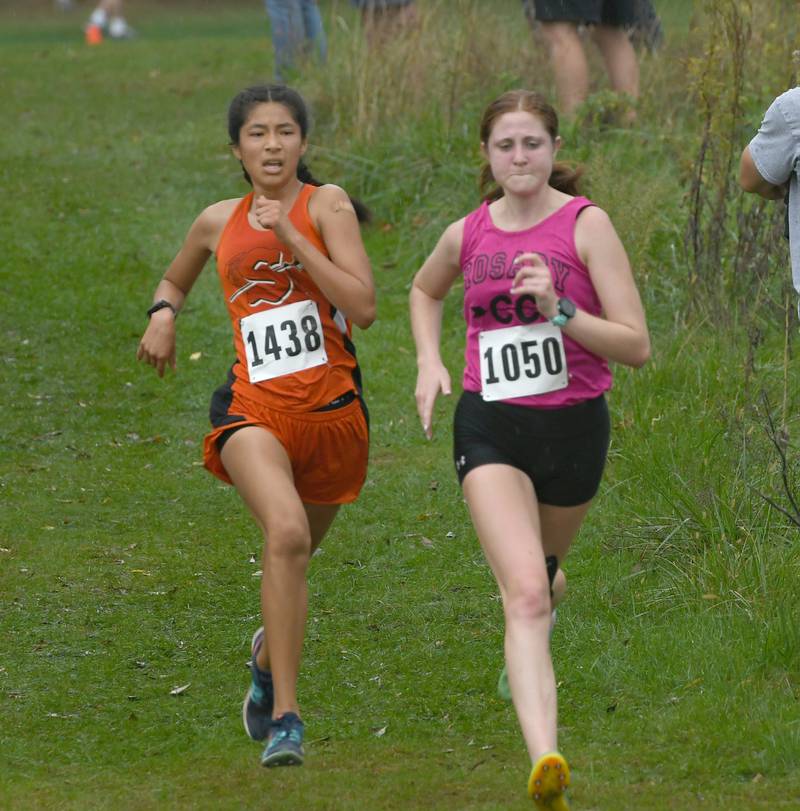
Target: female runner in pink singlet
[{"x": 549, "y": 299}]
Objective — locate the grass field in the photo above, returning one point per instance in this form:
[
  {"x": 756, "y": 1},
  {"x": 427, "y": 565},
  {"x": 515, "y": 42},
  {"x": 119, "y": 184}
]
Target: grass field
[{"x": 127, "y": 571}]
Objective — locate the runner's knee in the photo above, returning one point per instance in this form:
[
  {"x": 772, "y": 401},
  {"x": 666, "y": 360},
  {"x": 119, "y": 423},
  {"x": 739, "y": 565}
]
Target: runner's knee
[
  {"x": 527, "y": 601},
  {"x": 288, "y": 537}
]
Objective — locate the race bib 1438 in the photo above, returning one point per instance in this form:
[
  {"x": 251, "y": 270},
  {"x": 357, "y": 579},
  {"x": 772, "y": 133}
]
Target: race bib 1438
[
  {"x": 522, "y": 361},
  {"x": 283, "y": 340}
]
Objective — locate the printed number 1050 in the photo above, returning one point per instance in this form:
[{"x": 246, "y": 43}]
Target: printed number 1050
[{"x": 526, "y": 358}]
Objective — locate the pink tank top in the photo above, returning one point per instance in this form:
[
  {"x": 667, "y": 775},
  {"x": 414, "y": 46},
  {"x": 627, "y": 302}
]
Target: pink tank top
[{"x": 487, "y": 255}]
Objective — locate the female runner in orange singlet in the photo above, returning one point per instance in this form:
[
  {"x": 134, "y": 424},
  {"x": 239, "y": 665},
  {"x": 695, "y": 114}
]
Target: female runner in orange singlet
[{"x": 289, "y": 425}]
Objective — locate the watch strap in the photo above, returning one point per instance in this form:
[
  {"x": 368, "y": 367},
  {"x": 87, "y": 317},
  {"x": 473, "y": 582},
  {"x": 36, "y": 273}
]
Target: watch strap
[
  {"x": 160, "y": 305},
  {"x": 564, "y": 312}
]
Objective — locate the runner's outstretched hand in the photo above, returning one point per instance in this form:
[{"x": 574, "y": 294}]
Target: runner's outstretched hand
[
  {"x": 430, "y": 381},
  {"x": 157, "y": 346}
]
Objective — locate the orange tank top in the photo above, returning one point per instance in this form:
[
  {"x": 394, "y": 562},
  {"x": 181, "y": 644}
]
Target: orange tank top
[{"x": 293, "y": 347}]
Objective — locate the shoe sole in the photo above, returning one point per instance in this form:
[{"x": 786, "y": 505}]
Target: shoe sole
[
  {"x": 283, "y": 759},
  {"x": 548, "y": 781},
  {"x": 244, "y": 719},
  {"x": 258, "y": 635}
]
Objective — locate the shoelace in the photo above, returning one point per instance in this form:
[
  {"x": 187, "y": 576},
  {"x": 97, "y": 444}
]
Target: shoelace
[
  {"x": 293, "y": 734},
  {"x": 277, "y": 738}
]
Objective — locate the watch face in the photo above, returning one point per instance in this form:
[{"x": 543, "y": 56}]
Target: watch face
[{"x": 566, "y": 307}]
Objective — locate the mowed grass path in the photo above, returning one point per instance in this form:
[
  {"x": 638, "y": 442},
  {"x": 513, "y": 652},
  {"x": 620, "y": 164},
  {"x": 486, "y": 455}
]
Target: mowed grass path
[{"x": 126, "y": 571}]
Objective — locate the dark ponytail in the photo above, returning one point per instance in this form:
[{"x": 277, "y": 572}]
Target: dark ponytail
[
  {"x": 248, "y": 98},
  {"x": 363, "y": 214}
]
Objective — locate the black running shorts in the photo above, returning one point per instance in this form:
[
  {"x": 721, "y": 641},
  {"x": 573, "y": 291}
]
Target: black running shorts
[
  {"x": 619, "y": 13},
  {"x": 562, "y": 450}
]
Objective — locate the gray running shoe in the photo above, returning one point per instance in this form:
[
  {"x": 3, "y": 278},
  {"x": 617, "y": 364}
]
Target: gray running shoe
[
  {"x": 260, "y": 698},
  {"x": 285, "y": 746}
]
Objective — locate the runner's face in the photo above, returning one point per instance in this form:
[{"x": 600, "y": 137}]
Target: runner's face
[
  {"x": 270, "y": 145},
  {"x": 520, "y": 152}
]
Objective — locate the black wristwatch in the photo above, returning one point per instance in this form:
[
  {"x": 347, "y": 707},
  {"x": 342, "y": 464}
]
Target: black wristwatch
[
  {"x": 566, "y": 310},
  {"x": 160, "y": 305}
]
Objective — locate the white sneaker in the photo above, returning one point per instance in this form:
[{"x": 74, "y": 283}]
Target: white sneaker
[
  {"x": 99, "y": 18},
  {"x": 119, "y": 29}
]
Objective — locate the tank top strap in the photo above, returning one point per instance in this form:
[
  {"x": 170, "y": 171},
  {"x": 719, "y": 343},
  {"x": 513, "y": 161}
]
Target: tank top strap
[
  {"x": 238, "y": 215},
  {"x": 300, "y": 212},
  {"x": 301, "y": 216},
  {"x": 304, "y": 198},
  {"x": 243, "y": 208},
  {"x": 565, "y": 222},
  {"x": 474, "y": 224},
  {"x": 570, "y": 211}
]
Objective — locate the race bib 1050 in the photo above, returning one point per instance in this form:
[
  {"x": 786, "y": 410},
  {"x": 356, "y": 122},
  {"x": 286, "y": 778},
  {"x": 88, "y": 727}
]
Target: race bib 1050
[
  {"x": 522, "y": 361},
  {"x": 283, "y": 340}
]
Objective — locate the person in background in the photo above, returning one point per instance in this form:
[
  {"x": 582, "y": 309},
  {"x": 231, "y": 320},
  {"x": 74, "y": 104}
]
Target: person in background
[
  {"x": 768, "y": 167},
  {"x": 297, "y": 30},
  {"x": 384, "y": 19},
  {"x": 646, "y": 31},
  {"x": 108, "y": 19},
  {"x": 609, "y": 22}
]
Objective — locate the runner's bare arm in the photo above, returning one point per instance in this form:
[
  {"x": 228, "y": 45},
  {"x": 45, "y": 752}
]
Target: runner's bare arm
[
  {"x": 157, "y": 346},
  {"x": 621, "y": 335},
  {"x": 200, "y": 242},
  {"x": 345, "y": 278},
  {"x": 431, "y": 284}
]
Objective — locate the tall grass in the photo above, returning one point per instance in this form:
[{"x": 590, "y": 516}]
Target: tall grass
[{"x": 744, "y": 54}]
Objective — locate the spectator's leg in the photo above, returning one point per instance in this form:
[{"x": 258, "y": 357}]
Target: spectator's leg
[
  {"x": 111, "y": 7},
  {"x": 284, "y": 20},
  {"x": 382, "y": 24},
  {"x": 569, "y": 64},
  {"x": 620, "y": 58},
  {"x": 314, "y": 29}
]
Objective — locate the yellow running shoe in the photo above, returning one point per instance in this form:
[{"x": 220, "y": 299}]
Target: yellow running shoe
[{"x": 548, "y": 782}]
